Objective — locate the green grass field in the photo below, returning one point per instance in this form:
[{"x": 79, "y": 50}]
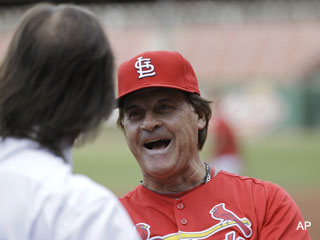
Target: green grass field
[{"x": 291, "y": 160}]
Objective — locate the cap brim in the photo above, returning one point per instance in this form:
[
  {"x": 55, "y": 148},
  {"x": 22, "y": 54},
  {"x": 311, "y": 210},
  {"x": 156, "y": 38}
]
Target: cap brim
[{"x": 159, "y": 85}]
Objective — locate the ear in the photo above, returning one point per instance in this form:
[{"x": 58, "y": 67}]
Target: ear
[{"x": 201, "y": 122}]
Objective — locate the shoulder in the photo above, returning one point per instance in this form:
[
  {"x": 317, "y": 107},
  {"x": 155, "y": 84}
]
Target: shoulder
[
  {"x": 238, "y": 179},
  {"x": 27, "y": 158},
  {"x": 43, "y": 193},
  {"x": 262, "y": 193},
  {"x": 249, "y": 185},
  {"x": 83, "y": 190},
  {"x": 41, "y": 174}
]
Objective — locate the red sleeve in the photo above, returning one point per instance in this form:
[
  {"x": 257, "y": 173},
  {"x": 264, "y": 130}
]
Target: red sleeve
[{"x": 282, "y": 216}]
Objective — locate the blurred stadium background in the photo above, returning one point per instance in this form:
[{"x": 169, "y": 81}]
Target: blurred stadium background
[{"x": 264, "y": 56}]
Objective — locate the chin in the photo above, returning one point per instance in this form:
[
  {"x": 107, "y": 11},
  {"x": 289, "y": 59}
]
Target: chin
[{"x": 159, "y": 170}]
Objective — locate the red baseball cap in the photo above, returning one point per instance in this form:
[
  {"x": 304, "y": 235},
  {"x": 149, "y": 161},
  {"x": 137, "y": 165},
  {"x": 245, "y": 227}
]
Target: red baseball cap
[{"x": 156, "y": 69}]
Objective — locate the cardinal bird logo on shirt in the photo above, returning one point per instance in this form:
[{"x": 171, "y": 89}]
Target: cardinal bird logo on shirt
[
  {"x": 227, "y": 220},
  {"x": 219, "y": 212}
]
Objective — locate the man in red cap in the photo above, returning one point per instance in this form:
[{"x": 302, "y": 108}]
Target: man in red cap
[{"x": 165, "y": 122}]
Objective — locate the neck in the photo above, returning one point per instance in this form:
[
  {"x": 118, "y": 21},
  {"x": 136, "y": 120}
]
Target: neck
[{"x": 179, "y": 182}]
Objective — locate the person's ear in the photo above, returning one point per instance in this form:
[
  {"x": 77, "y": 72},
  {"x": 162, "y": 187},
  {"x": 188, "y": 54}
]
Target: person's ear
[{"x": 201, "y": 122}]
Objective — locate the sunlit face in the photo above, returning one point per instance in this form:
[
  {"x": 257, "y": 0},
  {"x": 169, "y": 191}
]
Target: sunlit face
[{"x": 161, "y": 130}]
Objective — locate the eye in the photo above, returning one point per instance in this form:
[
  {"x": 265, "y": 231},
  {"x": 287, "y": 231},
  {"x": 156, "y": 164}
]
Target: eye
[
  {"x": 165, "y": 107},
  {"x": 134, "y": 114}
]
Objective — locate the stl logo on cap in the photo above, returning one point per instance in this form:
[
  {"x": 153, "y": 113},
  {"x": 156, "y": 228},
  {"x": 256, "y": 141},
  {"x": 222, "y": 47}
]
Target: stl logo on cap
[{"x": 144, "y": 67}]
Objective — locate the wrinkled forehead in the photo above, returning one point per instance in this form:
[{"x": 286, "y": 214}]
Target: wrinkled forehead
[{"x": 153, "y": 95}]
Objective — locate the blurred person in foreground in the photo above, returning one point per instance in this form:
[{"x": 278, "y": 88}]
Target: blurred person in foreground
[
  {"x": 56, "y": 86},
  {"x": 225, "y": 149},
  {"x": 165, "y": 121}
]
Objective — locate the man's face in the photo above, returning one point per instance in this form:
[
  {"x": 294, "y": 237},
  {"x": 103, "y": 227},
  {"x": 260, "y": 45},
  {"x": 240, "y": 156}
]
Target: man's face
[{"x": 161, "y": 130}]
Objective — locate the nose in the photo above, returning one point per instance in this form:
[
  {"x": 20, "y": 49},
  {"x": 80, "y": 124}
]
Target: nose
[{"x": 150, "y": 122}]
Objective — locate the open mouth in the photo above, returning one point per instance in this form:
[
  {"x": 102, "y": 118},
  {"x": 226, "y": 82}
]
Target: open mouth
[{"x": 157, "y": 144}]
